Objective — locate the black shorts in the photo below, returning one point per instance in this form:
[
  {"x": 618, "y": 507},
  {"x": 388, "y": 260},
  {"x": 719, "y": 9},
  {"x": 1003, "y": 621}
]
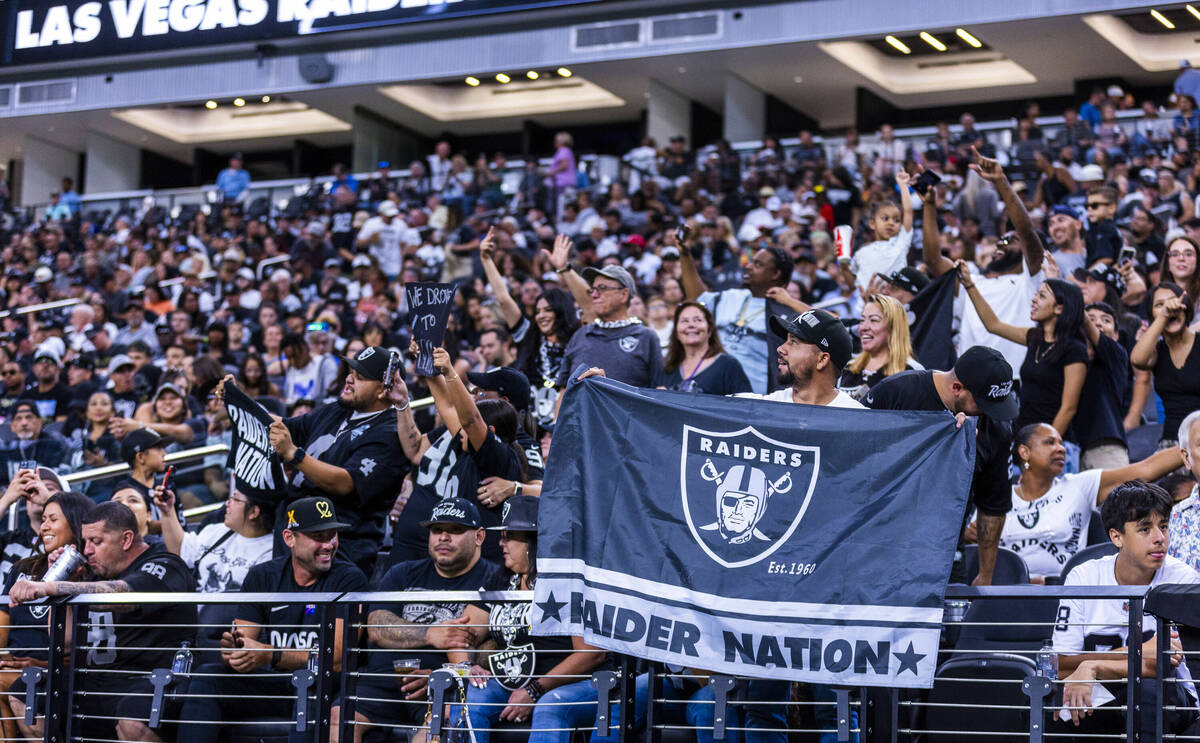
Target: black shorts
[{"x": 386, "y": 706}]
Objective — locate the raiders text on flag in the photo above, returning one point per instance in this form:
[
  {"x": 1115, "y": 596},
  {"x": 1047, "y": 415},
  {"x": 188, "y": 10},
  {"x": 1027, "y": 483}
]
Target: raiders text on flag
[{"x": 811, "y": 544}]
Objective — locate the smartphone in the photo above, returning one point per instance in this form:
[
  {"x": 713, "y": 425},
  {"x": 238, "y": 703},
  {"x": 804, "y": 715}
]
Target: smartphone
[
  {"x": 681, "y": 233},
  {"x": 28, "y": 464},
  {"x": 926, "y": 180},
  {"x": 233, "y": 632},
  {"x": 166, "y": 483},
  {"x": 1128, "y": 255}
]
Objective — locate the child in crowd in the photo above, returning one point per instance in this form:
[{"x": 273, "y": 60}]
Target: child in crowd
[{"x": 891, "y": 226}]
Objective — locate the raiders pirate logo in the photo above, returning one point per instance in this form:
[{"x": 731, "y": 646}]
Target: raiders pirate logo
[
  {"x": 743, "y": 493},
  {"x": 629, "y": 343},
  {"x": 1030, "y": 519}
]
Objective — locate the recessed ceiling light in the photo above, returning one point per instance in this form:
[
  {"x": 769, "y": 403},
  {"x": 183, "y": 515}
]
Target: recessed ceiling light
[
  {"x": 210, "y": 105},
  {"x": 564, "y": 72},
  {"x": 932, "y": 41},
  {"x": 1192, "y": 9},
  {"x": 472, "y": 81},
  {"x": 897, "y": 44},
  {"x": 503, "y": 78},
  {"x": 532, "y": 75},
  {"x": 239, "y": 102},
  {"x": 1161, "y": 19},
  {"x": 797, "y": 79},
  {"x": 266, "y": 99},
  {"x": 967, "y": 37}
]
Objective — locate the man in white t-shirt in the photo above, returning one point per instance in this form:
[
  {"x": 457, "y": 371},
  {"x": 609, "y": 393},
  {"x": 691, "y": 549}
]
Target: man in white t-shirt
[
  {"x": 384, "y": 237},
  {"x": 1009, "y": 281},
  {"x": 1091, "y": 636},
  {"x": 816, "y": 347},
  {"x": 309, "y": 375}
]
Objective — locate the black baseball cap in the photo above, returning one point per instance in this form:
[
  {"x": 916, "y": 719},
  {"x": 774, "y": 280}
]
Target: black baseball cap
[
  {"x": 139, "y": 441},
  {"x": 1103, "y": 273},
  {"x": 26, "y": 404},
  {"x": 819, "y": 328},
  {"x": 520, "y": 514},
  {"x": 454, "y": 511},
  {"x": 908, "y": 279},
  {"x": 374, "y": 362},
  {"x": 988, "y": 376},
  {"x": 510, "y": 383},
  {"x": 312, "y": 514}
]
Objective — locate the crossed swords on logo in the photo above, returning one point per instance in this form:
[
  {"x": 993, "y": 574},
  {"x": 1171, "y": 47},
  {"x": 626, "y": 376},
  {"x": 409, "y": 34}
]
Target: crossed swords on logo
[{"x": 780, "y": 486}]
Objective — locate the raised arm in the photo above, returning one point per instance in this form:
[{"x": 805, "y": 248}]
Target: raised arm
[
  {"x": 1031, "y": 244},
  {"x": 693, "y": 287},
  {"x": 460, "y": 399},
  {"x": 412, "y": 440},
  {"x": 1149, "y": 469},
  {"x": 906, "y": 211},
  {"x": 1145, "y": 354},
  {"x": 931, "y": 242},
  {"x": 560, "y": 259},
  {"x": 988, "y": 316},
  {"x": 508, "y": 305}
]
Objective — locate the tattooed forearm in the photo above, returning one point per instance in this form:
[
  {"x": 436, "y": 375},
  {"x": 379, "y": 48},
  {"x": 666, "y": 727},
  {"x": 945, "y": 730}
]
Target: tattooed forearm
[
  {"x": 70, "y": 588},
  {"x": 397, "y": 633},
  {"x": 989, "y": 528}
]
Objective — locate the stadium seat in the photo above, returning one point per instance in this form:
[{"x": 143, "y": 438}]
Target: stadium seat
[
  {"x": 1086, "y": 554},
  {"x": 1096, "y": 533},
  {"x": 965, "y": 681},
  {"x": 1026, "y": 624},
  {"x": 1010, "y": 567}
]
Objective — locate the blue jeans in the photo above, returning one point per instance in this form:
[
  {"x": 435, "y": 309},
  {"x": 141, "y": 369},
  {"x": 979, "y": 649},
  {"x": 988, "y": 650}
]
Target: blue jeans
[
  {"x": 697, "y": 713},
  {"x": 765, "y": 722},
  {"x": 554, "y": 717},
  {"x": 825, "y": 714}
]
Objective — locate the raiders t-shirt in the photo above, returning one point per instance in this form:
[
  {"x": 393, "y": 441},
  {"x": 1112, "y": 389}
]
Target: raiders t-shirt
[
  {"x": 52, "y": 402},
  {"x": 421, "y": 575},
  {"x": 914, "y": 390},
  {"x": 1048, "y": 531},
  {"x": 123, "y": 639},
  {"x": 28, "y": 636},
  {"x": 521, "y": 655},
  {"x": 222, "y": 557},
  {"x": 1100, "y": 625},
  {"x": 446, "y": 472},
  {"x": 293, "y": 626},
  {"x": 366, "y": 446}
]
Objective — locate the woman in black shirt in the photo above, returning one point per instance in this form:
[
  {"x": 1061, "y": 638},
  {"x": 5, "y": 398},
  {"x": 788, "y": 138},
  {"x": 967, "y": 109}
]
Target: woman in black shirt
[
  {"x": 1056, "y": 357},
  {"x": 886, "y": 344},
  {"x": 696, "y": 360},
  {"x": 1169, "y": 349}
]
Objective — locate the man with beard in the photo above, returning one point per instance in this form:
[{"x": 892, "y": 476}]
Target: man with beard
[
  {"x": 269, "y": 642},
  {"x": 411, "y": 639},
  {"x": 1066, "y": 232},
  {"x": 815, "y": 348},
  {"x": 1009, "y": 281},
  {"x": 741, "y": 314},
  {"x": 347, "y": 451}
]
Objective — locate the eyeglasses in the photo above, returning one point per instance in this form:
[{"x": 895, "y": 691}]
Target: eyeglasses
[
  {"x": 238, "y": 500},
  {"x": 1097, "y": 204},
  {"x": 1172, "y": 254},
  {"x": 601, "y": 289},
  {"x": 9, "y": 373}
]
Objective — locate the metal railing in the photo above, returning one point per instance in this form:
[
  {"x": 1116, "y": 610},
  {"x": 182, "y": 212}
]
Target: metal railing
[{"x": 625, "y": 697}]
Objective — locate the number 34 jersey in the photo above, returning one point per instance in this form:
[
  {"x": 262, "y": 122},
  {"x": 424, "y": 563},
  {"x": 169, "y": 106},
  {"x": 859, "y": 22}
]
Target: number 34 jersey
[{"x": 145, "y": 636}]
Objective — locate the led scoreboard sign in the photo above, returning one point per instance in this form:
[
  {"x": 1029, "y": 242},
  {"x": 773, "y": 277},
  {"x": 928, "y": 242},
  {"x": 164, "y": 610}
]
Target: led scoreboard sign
[{"x": 39, "y": 32}]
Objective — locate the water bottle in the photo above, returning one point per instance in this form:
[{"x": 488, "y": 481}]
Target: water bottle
[
  {"x": 1047, "y": 662},
  {"x": 181, "y": 664},
  {"x": 66, "y": 564},
  {"x": 314, "y": 661}
]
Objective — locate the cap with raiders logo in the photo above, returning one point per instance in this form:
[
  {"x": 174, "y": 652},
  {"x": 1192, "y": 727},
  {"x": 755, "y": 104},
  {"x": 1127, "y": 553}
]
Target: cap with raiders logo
[
  {"x": 1103, "y": 273},
  {"x": 312, "y": 514},
  {"x": 821, "y": 329},
  {"x": 909, "y": 279},
  {"x": 988, "y": 376},
  {"x": 520, "y": 513},
  {"x": 454, "y": 511},
  {"x": 374, "y": 362}
]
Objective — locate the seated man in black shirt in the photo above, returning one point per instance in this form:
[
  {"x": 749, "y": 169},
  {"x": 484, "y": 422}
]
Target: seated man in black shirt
[
  {"x": 348, "y": 452},
  {"x": 52, "y": 396},
  {"x": 419, "y": 633},
  {"x": 979, "y": 385},
  {"x": 268, "y": 640},
  {"x": 31, "y": 442},
  {"x": 132, "y": 638}
]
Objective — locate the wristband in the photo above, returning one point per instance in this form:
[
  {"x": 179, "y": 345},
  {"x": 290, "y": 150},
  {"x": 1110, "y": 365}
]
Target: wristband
[
  {"x": 516, "y": 488},
  {"x": 298, "y": 457},
  {"x": 568, "y": 268},
  {"x": 535, "y": 690},
  {"x": 276, "y": 656},
  {"x": 401, "y": 410}
]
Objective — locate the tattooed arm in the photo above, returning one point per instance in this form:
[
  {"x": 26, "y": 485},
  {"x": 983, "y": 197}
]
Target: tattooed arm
[
  {"x": 989, "y": 528},
  {"x": 388, "y": 630}
]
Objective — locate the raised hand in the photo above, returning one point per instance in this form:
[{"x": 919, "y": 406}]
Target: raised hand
[
  {"x": 561, "y": 253},
  {"x": 487, "y": 246},
  {"x": 986, "y": 167}
]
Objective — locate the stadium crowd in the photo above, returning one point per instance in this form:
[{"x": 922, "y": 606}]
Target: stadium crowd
[{"x": 1047, "y": 289}]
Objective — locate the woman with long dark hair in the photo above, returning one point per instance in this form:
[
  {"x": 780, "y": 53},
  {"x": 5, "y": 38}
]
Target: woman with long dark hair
[
  {"x": 23, "y": 629},
  {"x": 541, "y": 342},
  {"x": 252, "y": 377},
  {"x": 696, "y": 360},
  {"x": 537, "y": 684},
  {"x": 1169, "y": 349},
  {"x": 1056, "y": 352}
]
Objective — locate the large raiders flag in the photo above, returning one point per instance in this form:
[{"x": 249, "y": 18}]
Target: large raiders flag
[
  {"x": 750, "y": 537},
  {"x": 252, "y": 459}
]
